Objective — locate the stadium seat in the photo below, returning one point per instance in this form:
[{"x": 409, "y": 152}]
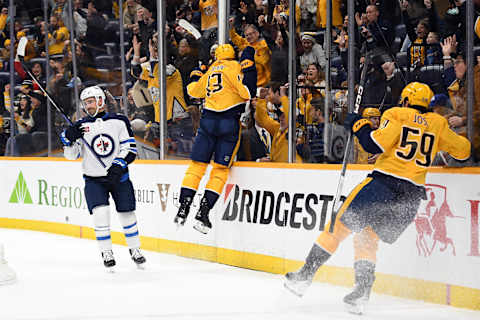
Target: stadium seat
[
  {"x": 401, "y": 31},
  {"x": 105, "y": 62},
  {"x": 111, "y": 48},
  {"x": 432, "y": 75},
  {"x": 396, "y": 45},
  {"x": 40, "y": 141},
  {"x": 43, "y": 61},
  {"x": 402, "y": 59}
]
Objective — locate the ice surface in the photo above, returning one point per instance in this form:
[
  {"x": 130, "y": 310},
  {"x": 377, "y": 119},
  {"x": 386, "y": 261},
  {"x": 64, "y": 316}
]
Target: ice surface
[{"x": 63, "y": 278}]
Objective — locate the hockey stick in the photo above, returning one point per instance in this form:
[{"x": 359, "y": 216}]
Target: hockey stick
[
  {"x": 21, "y": 55},
  {"x": 336, "y": 200}
]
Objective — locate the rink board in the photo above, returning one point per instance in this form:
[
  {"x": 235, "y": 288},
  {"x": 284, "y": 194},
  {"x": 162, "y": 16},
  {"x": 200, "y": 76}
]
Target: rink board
[{"x": 267, "y": 219}]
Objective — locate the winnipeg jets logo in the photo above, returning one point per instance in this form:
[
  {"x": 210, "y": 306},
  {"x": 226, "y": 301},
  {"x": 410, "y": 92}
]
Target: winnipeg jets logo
[{"x": 103, "y": 145}]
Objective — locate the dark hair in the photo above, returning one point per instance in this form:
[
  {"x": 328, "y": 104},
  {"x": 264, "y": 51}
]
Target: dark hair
[{"x": 274, "y": 85}]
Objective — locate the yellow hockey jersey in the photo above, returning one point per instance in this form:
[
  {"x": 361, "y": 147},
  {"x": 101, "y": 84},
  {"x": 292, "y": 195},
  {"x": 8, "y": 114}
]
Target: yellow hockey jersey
[
  {"x": 410, "y": 140},
  {"x": 208, "y": 10},
  {"x": 221, "y": 86},
  {"x": 176, "y": 105}
]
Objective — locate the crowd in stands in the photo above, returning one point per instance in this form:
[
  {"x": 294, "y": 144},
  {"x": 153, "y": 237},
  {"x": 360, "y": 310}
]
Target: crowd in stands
[{"x": 396, "y": 41}]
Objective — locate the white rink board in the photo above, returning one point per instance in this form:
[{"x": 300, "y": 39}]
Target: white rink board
[{"x": 58, "y": 182}]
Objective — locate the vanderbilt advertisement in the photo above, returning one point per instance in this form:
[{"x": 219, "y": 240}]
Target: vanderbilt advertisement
[{"x": 275, "y": 212}]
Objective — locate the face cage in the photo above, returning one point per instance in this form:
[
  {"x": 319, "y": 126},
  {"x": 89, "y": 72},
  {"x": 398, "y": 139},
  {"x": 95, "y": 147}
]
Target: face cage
[{"x": 84, "y": 106}]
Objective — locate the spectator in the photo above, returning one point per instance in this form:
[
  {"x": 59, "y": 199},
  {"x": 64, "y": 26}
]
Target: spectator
[
  {"x": 314, "y": 131},
  {"x": 208, "y": 10},
  {"x": 262, "y": 51},
  {"x": 23, "y": 116},
  {"x": 337, "y": 18},
  {"x": 313, "y": 53},
  {"x": 377, "y": 33},
  {"x": 57, "y": 35},
  {"x": 96, "y": 25},
  {"x": 186, "y": 61},
  {"x": 277, "y": 95},
  {"x": 317, "y": 77},
  {"x": 255, "y": 142},
  {"x": 146, "y": 28},
  {"x": 130, "y": 15},
  {"x": 39, "y": 112},
  {"x": 434, "y": 50}
]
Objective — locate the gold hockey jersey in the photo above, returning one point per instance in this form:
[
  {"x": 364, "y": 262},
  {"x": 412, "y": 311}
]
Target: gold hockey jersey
[
  {"x": 410, "y": 140},
  {"x": 176, "y": 105},
  {"x": 221, "y": 86}
]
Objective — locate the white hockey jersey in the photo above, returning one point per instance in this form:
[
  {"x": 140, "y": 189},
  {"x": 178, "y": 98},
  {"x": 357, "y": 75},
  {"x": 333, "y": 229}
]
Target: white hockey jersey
[{"x": 110, "y": 137}]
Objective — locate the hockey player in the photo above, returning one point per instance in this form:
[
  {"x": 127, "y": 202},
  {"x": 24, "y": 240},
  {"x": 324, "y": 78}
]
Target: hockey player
[
  {"x": 111, "y": 138},
  {"x": 226, "y": 87},
  {"x": 360, "y": 155},
  {"x": 386, "y": 202}
]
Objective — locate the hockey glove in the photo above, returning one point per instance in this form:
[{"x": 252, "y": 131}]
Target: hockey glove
[
  {"x": 195, "y": 75},
  {"x": 116, "y": 171},
  {"x": 72, "y": 133},
  {"x": 354, "y": 122}
]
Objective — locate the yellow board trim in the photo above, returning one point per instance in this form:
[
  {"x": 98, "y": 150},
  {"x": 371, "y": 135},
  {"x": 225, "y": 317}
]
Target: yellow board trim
[
  {"x": 429, "y": 291},
  {"x": 271, "y": 165}
]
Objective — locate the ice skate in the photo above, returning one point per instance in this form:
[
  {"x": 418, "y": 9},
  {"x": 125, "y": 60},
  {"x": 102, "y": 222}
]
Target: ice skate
[
  {"x": 7, "y": 275},
  {"x": 356, "y": 301},
  {"x": 183, "y": 212},
  {"x": 108, "y": 260},
  {"x": 299, "y": 281},
  {"x": 138, "y": 258},
  {"x": 203, "y": 224}
]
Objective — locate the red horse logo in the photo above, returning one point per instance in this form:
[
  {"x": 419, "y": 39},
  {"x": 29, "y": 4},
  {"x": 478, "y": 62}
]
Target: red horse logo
[{"x": 431, "y": 223}]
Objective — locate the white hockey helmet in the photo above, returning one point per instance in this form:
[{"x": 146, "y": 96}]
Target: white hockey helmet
[{"x": 95, "y": 92}]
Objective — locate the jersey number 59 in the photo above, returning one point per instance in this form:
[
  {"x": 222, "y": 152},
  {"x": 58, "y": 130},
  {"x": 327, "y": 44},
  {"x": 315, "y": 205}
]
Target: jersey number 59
[{"x": 410, "y": 137}]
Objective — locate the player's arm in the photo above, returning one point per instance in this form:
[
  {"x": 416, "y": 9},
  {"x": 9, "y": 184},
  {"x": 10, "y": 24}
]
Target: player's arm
[
  {"x": 456, "y": 145},
  {"x": 128, "y": 145},
  {"x": 198, "y": 83},
  {"x": 374, "y": 141},
  {"x": 247, "y": 63}
]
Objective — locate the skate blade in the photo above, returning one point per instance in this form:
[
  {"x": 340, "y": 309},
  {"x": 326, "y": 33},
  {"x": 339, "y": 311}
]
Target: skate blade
[
  {"x": 356, "y": 308},
  {"x": 110, "y": 269},
  {"x": 298, "y": 288},
  {"x": 141, "y": 266},
  {"x": 200, "y": 227},
  {"x": 179, "y": 222}
]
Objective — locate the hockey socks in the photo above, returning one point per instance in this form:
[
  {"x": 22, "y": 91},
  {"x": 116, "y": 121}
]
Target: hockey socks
[
  {"x": 298, "y": 282},
  {"x": 364, "y": 278}
]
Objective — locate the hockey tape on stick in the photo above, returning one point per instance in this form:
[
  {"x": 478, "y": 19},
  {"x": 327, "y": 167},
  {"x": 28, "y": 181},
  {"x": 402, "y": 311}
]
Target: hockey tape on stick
[
  {"x": 190, "y": 29},
  {"x": 358, "y": 100},
  {"x": 52, "y": 101}
]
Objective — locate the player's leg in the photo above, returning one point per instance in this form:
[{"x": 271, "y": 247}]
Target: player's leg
[
  {"x": 325, "y": 245},
  {"x": 124, "y": 198},
  {"x": 96, "y": 195},
  {"x": 365, "y": 246},
  {"x": 201, "y": 154},
  {"x": 226, "y": 148}
]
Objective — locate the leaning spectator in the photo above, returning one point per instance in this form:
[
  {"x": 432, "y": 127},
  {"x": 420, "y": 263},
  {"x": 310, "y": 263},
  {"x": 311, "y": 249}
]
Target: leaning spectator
[
  {"x": 277, "y": 95},
  {"x": 262, "y": 51},
  {"x": 313, "y": 53},
  {"x": 39, "y": 112}
]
